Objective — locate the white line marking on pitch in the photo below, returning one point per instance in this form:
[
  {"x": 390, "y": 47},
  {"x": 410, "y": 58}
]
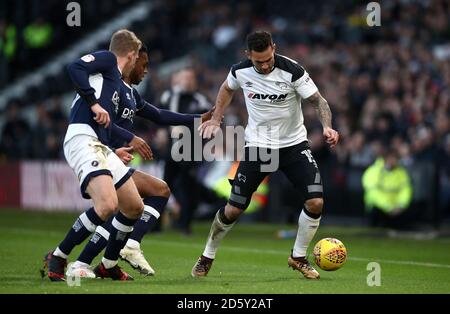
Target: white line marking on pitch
[{"x": 275, "y": 252}]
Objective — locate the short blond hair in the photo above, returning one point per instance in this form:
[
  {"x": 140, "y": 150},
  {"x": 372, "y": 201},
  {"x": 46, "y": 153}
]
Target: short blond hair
[{"x": 124, "y": 41}]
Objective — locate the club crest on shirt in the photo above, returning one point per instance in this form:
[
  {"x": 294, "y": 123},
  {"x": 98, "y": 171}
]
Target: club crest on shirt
[
  {"x": 282, "y": 85},
  {"x": 115, "y": 100},
  {"x": 241, "y": 177}
]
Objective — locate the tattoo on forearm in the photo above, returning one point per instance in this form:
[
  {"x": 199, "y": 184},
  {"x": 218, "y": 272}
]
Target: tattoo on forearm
[{"x": 322, "y": 109}]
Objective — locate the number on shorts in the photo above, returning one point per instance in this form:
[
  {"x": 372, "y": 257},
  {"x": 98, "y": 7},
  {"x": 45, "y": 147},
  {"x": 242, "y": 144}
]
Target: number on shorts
[{"x": 308, "y": 155}]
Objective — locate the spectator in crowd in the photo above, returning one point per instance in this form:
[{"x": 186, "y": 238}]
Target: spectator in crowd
[
  {"x": 181, "y": 177},
  {"x": 38, "y": 34},
  {"x": 47, "y": 134},
  {"x": 444, "y": 177},
  {"x": 15, "y": 136},
  {"x": 36, "y": 31},
  {"x": 387, "y": 191},
  {"x": 8, "y": 46}
]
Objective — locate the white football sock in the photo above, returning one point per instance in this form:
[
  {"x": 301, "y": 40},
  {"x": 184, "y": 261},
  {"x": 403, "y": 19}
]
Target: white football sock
[
  {"x": 133, "y": 244},
  {"x": 307, "y": 228},
  {"x": 216, "y": 234},
  {"x": 108, "y": 263},
  {"x": 59, "y": 253},
  {"x": 78, "y": 264}
]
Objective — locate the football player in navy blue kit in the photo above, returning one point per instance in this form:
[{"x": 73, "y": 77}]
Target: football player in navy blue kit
[
  {"x": 154, "y": 191},
  {"x": 102, "y": 175}
]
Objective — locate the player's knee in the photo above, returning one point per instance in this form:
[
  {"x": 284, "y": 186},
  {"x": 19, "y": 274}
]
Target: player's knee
[
  {"x": 232, "y": 212},
  {"x": 163, "y": 190},
  {"x": 314, "y": 205},
  {"x": 135, "y": 208},
  {"x": 111, "y": 205},
  {"x": 106, "y": 207}
]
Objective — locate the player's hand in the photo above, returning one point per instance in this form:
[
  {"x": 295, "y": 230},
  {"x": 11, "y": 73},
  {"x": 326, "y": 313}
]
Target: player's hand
[
  {"x": 141, "y": 147},
  {"x": 208, "y": 115},
  {"x": 101, "y": 115},
  {"x": 124, "y": 154},
  {"x": 209, "y": 128},
  {"x": 331, "y": 136}
]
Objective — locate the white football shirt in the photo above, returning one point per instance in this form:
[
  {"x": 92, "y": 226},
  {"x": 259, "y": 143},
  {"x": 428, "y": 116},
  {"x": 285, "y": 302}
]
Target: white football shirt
[{"x": 273, "y": 101}]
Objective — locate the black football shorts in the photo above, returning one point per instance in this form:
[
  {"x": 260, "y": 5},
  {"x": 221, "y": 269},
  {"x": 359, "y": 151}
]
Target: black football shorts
[{"x": 296, "y": 162}]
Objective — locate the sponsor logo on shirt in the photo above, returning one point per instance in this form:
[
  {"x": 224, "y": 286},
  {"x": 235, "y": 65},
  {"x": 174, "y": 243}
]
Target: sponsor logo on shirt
[
  {"x": 271, "y": 97},
  {"x": 128, "y": 113},
  {"x": 88, "y": 58}
]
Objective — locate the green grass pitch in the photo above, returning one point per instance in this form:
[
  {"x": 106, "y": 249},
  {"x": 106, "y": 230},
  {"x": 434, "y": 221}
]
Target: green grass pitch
[{"x": 251, "y": 260}]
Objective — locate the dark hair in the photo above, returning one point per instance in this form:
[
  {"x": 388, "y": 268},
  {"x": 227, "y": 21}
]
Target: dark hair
[
  {"x": 259, "y": 41},
  {"x": 143, "y": 48},
  {"x": 390, "y": 152}
]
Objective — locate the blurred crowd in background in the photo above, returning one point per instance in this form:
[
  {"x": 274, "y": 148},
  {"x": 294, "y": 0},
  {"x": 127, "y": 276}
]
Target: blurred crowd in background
[{"x": 388, "y": 87}]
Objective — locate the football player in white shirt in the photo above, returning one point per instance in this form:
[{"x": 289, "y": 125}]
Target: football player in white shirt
[{"x": 275, "y": 88}]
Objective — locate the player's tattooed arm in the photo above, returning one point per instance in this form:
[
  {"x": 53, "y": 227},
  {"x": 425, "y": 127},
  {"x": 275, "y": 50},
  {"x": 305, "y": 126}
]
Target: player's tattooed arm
[
  {"x": 322, "y": 108},
  {"x": 324, "y": 114}
]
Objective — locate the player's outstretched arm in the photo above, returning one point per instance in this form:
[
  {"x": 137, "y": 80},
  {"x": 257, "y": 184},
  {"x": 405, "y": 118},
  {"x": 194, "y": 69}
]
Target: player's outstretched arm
[
  {"x": 324, "y": 114},
  {"x": 211, "y": 127},
  {"x": 164, "y": 117},
  {"x": 124, "y": 153},
  {"x": 141, "y": 147},
  {"x": 208, "y": 115},
  {"x": 138, "y": 144},
  {"x": 167, "y": 117}
]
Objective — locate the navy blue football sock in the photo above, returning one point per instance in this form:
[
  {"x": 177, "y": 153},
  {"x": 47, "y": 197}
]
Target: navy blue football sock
[
  {"x": 121, "y": 228},
  {"x": 80, "y": 231},
  {"x": 154, "y": 206},
  {"x": 97, "y": 242}
]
